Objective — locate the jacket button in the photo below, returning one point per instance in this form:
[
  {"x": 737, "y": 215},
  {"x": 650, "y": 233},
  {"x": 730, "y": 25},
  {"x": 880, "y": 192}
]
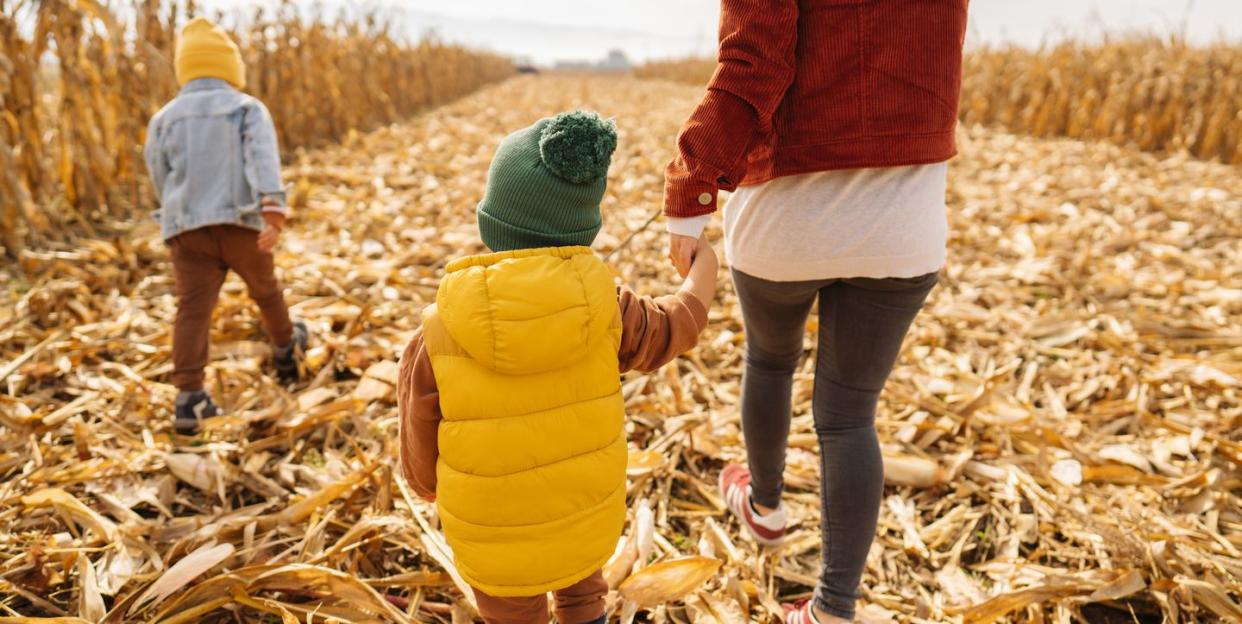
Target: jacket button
[{"x": 705, "y": 198}]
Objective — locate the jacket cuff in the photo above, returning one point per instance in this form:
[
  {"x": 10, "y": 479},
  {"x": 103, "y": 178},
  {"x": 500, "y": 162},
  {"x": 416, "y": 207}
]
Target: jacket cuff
[
  {"x": 281, "y": 206},
  {"x": 689, "y": 199}
]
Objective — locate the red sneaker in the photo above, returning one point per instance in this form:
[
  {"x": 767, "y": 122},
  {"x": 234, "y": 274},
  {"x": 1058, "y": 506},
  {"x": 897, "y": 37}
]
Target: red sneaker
[
  {"x": 800, "y": 613},
  {"x": 768, "y": 529}
]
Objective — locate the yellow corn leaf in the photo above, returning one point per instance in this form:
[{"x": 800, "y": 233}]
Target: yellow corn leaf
[
  {"x": 299, "y": 511},
  {"x": 200, "y": 471},
  {"x": 621, "y": 562},
  {"x": 913, "y": 471},
  {"x": 181, "y": 573},
  {"x": 207, "y": 596},
  {"x": 342, "y": 587},
  {"x": 643, "y": 462},
  {"x": 74, "y": 508},
  {"x": 668, "y": 580},
  {"x": 1125, "y": 585},
  {"x": 90, "y": 602},
  {"x": 1004, "y": 604},
  {"x": 1214, "y": 598}
]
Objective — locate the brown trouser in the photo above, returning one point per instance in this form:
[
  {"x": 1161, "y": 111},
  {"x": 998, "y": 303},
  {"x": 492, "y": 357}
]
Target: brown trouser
[
  {"x": 579, "y": 603},
  {"x": 201, "y": 260}
]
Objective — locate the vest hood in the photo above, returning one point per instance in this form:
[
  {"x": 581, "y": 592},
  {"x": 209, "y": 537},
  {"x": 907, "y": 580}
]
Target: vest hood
[{"x": 526, "y": 311}]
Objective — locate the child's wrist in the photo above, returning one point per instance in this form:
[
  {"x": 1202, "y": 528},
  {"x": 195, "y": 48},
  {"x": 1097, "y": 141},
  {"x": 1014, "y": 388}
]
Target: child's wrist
[{"x": 271, "y": 202}]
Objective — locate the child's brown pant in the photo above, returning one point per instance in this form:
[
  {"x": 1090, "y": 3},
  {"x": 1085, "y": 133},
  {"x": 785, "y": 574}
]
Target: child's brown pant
[
  {"x": 579, "y": 603},
  {"x": 201, "y": 260}
]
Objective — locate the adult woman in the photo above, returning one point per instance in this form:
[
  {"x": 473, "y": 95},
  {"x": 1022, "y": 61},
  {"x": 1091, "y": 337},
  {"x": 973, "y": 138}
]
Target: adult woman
[{"x": 833, "y": 119}]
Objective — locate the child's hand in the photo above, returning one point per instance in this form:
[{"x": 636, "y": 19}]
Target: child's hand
[
  {"x": 268, "y": 238},
  {"x": 681, "y": 251},
  {"x": 271, "y": 234},
  {"x": 705, "y": 263},
  {"x": 701, "y": 278}
]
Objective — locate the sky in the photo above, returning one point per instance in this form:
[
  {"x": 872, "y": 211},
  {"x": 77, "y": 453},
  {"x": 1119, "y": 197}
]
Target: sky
[{"x": 548, "y": 30}]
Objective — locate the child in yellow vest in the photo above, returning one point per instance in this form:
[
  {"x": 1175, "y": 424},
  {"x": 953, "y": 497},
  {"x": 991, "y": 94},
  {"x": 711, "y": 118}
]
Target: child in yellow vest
[{"x": 512, "y": 418}]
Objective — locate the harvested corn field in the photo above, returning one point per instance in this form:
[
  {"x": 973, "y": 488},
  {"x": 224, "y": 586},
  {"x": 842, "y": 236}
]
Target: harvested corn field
[
  {"x": 1061, "y": 434},
  {"x": 1145, "y": 92}
]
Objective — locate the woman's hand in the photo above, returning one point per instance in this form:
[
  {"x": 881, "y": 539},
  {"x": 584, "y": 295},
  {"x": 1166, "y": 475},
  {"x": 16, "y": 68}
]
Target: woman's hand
[{"x": 681, "y": 250}]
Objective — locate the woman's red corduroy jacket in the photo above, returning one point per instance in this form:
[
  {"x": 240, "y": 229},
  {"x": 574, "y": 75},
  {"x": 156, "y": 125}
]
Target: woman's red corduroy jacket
[{"x": 813, "y": 85}]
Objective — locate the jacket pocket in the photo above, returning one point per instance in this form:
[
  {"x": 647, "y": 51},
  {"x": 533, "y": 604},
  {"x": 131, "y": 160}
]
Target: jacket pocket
[{"x": 912, "y": 66}]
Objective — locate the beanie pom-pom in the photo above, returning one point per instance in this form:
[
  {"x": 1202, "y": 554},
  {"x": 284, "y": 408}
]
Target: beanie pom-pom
[{"x": 577, "y": 146}]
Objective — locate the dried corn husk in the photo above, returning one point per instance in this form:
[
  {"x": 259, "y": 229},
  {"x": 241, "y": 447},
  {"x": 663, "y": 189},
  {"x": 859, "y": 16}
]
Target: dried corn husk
[{"x": 668, "y": 580}]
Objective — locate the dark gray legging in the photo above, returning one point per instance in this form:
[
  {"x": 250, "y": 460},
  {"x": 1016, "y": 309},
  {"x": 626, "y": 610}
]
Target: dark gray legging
[{"x": 861, "y": 326}]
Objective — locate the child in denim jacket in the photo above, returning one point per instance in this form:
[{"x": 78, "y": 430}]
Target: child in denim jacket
[{"x": 213, "y": 158}]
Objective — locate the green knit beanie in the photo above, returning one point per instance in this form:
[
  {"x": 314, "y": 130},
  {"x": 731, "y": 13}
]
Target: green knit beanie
[{"x": 546, "y": 182}]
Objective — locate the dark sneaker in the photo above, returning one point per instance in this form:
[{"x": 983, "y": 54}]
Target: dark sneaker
[
  {"x": 288, "y": 359},
  {"x": 192, "y": 409}
]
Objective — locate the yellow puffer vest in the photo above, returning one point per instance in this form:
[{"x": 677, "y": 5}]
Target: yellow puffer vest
[{"x": 531, "y": 475}]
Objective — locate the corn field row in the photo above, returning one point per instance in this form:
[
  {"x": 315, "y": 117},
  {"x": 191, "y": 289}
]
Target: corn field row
[
  {"x": 79, "y": 81},
  {"x": 1062, "y": 435},
  {"x": 1148, "y": 93}
]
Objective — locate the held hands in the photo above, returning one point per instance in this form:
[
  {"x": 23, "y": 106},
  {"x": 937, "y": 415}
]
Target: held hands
[
  {"x": 681, "y": 250},
  {"x": 702, "y": 267}
]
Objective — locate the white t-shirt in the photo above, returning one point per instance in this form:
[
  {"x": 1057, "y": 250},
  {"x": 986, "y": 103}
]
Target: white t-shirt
[{"x": 884, "y": 222}]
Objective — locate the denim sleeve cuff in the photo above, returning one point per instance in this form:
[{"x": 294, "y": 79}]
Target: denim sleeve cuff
[{"x": 281, "y": 206}]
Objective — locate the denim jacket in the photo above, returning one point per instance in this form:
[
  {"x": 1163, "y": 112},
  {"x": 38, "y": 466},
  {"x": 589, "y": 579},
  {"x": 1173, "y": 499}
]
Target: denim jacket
[{"x": 213, "y": 158}]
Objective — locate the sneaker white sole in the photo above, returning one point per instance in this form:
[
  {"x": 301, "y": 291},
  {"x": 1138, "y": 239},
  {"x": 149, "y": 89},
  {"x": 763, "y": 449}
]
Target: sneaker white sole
[{"x": 741, "y": 516}]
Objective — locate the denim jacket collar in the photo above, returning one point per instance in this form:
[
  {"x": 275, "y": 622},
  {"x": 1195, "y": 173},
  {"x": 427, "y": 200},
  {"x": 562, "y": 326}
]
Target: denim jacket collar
[{"x": 204, "y": 84}]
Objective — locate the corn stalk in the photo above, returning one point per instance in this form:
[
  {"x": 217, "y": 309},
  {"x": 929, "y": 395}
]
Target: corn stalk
[{"x": 80, "y": 82}]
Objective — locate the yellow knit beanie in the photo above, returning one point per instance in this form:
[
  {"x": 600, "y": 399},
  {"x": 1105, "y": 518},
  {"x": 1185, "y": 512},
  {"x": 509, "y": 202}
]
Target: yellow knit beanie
[{"x": 204, "y": 50}]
